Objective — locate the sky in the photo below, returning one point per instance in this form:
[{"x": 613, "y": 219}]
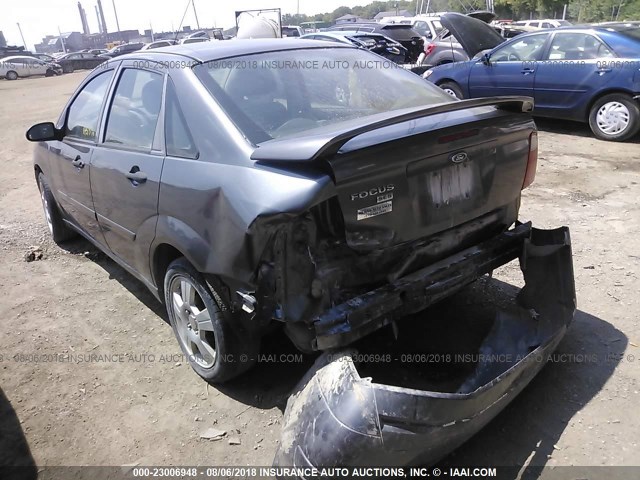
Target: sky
[{"x": 38, "y": 18}]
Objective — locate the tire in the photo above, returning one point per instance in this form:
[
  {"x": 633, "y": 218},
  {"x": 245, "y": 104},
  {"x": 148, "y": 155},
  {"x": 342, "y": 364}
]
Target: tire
[
  {"x": 453, "y": 89},
  {"x": 49, "y": 73},
  {"x": 11, "y": 75},
  {"x": 615, "y": 117},
  {"x": 210, "y": 336},
  {"x": 58, "y": 229}
]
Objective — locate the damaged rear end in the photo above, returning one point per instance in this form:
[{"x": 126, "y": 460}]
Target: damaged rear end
[
  {"x": 423, "y": 202},
  {"x": 426, "y": 203},
  {"x": 336, "y": 417}
]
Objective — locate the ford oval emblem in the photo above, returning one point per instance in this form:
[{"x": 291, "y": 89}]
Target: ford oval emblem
[{"x": 459, "y": 157}]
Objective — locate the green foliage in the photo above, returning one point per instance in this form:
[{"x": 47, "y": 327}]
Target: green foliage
[{"x": 579, "y": 11}]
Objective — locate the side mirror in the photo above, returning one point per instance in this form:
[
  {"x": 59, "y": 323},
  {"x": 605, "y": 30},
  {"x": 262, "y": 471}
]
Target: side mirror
[
  {"x": 486, "y": 59},
  {"x": 42, "y": 132}
]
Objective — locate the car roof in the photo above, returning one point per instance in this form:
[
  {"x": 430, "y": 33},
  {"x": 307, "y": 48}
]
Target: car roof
[
  {"x": 208, "y": 51},
  {"x": 574, "y": 28},
  {"x": 347, "y": 33},
  {"x": 17, "y": 57}
]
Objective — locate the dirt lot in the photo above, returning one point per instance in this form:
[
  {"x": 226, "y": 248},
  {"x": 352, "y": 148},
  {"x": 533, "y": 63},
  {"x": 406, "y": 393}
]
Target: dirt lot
[{"x": 582, "y": 410}]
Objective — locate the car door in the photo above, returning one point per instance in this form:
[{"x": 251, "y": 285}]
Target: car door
[
  {"x": 75, "y": 61},
  {"x": 575, "y": 67},
  {"x": 127, "y": 163},
  {"x": 511, "y": 69},
  {"x": 88, "y": 60},
  {"x": 71, "y": 157},
  {"x": 22, "y": 66}
]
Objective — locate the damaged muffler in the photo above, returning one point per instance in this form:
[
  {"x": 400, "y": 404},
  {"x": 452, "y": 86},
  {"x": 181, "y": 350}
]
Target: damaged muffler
[{"x": 337, "y": 418}]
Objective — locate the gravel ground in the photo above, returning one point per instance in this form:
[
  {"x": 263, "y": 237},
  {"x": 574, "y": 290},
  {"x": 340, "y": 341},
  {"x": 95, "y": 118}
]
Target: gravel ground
[{"x": 74, "y": 300}]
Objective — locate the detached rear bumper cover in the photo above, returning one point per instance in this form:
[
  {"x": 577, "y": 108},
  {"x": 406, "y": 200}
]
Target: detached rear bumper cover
[{"x": 337, "y": 418}]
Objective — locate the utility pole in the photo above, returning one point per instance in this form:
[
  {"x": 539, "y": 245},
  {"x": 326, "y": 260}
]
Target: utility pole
[
  {"x": 64, "y": 49},
  {"x": 22, "y": 36},
  {"x": 115, "y": 12},
  {"x": 564, "y": 12},
  {"x": 195, "y": 13}
]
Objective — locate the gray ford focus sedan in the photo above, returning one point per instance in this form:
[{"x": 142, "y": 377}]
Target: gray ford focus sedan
[{"x": 318, "y": 186}]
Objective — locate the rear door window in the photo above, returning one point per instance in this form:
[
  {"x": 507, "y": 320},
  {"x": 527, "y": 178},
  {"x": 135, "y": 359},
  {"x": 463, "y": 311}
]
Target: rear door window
[
  {"x": 135, "y": 108},
  {"x": 577, "y": 46},
  {"x": 179, "y": 142}
]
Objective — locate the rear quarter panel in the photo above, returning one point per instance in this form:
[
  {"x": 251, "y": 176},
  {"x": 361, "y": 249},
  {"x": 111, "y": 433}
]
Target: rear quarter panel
[{"x": 208, "y": 208}]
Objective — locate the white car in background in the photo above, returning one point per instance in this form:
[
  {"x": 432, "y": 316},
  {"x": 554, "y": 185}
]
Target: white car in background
[
  {"x": 185, "y": 41},
  {"x": 540, "y": 24},
  {"x": 158, "y": 44},
  {"x": 17, "y": 66}
]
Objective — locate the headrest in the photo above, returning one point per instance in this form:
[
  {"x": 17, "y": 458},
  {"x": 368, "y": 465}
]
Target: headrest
[
  {"x": 250, "y": 82},
  {"x": 152, "y": 95}
]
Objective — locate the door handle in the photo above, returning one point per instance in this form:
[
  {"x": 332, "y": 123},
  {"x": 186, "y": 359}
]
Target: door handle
[
  {"x": 602, "y": 71},
  {"x": 136, "y": 176},
  {"x": 78, "y": 163},
  {"x": 527, "y": 71}
]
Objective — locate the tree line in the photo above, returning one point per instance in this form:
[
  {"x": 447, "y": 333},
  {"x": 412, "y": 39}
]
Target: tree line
[{"x": 578, "y": 11}]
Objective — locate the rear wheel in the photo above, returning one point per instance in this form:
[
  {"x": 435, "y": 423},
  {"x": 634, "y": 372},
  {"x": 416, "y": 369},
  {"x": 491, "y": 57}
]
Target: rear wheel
[
  {"x": 615, "y": 117},
  {"x": 202, "y": 321},
  {"x": 452, "y": 89},
  {"x": 11, "y": 75},
  {"x": 58, "y": 229}
]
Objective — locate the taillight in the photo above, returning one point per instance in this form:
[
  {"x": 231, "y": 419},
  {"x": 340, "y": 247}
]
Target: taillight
[
  {"x": 429, "y": 48},
  {"x": 532, "y": 161}
]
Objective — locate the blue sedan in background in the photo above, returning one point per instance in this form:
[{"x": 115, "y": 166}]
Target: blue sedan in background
[{"x": 586, "y": 74}]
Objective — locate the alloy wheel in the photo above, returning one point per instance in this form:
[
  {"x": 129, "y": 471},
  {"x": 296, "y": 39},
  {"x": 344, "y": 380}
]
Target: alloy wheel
[
  {"x": 193, "y": 322},
  {"x": 47, "y": 211}
]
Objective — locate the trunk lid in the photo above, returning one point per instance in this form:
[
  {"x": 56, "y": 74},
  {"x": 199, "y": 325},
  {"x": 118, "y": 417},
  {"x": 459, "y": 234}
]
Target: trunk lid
[
  {"x": 474, "y": 35},
  {"x": 416, "y": 174},
  {"x": 412, "y": 187}
]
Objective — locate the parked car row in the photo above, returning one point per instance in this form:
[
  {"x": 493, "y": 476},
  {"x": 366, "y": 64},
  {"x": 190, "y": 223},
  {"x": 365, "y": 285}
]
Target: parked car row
[
  {"x": 586, "y": 74},
  {"x": 374, "y": 42},
  {"x": 18, "y": 66},
  {"x": 401, "y": 33}
]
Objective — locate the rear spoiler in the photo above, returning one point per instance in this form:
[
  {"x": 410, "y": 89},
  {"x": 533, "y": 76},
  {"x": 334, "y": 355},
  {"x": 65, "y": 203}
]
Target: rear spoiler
[{"x": 311, "y": 147}]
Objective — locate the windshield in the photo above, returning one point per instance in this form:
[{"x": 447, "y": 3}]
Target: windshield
[
  {"x": 399, "y": 32},
  {"x": 423, "y": 27},
  {"x": 279, "y": 94}
]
